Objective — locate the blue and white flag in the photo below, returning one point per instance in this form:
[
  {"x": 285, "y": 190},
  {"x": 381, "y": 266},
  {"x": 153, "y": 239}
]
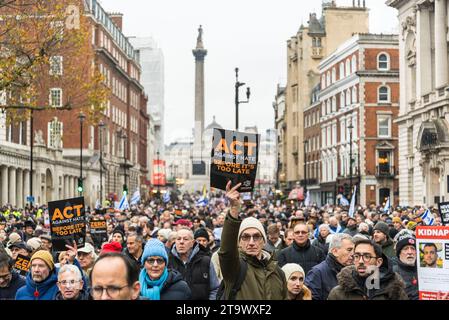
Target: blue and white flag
[
  {"x": 135, "y": 199},
  {"x": 352, "y": 206},
  {"x": 123, "y": 204},
  {"x": 307, "y": 200},
  {"x": 387, "y": 205},
  {"x": 166, "y": 197},
  {"x": 344, "y": 201},
  {"x": 202, "y": 202},
  {"x": 427, "y": 218},
  {"x": 97, "y": 204}
]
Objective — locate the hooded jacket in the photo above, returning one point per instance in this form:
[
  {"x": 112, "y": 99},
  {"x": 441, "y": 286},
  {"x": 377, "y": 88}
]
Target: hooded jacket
[
  {"x": 198, "y": 272},
  {"x": 9, "y": 293},
  {"x": 388, "y": 248},
  {"x": 264, "y": 279},
  {"x": 323, "y": 277},
  {"x": 352, "y": 287},
  {"x": 45, "y": 290},
  {"x": 306, "y": 256}
]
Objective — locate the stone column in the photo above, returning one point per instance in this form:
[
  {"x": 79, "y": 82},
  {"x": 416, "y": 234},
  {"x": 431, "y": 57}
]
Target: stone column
[
  {"x": 441, "y": 64},
  {"x": 4, "y": 185},
  {"x": 19, "y": 183},
  {"x": 12, "y": 186},
  {"x": 424, "y": 65},
  {"x": 26, "y": 184},
  {"x": 65, "y": 187}
]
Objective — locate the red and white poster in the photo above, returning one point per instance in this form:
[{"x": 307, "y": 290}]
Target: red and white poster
[
  {"x": 158, "y": 173},
  {"x": 433, "y": 262}
]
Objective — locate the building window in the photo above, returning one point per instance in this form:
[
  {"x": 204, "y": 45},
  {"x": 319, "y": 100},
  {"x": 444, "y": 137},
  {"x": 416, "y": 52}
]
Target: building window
[
  {"x": 354, "y": 95},
  {"x": 328, "y": 78},
  {"x": 342, "y": 70},
  {"x": 56, "y": 66},
  {"x": 384, "y": 126},
  {"x": 342, "y": 100},
  {"x": 348, "y": 67},
  {"x": 323, "y": 81},
  {"x": 334, "y": 75},
  {"x": 348, "y": 98},
  {"x": 56, "y": 97},
  {"x": 55, "y": 134},
  {"x": 383, "y": 62},
  {"x": 334, "y": 104},
  {"x": 354, "y": 64},
  {"x": 383, "y": 94}
]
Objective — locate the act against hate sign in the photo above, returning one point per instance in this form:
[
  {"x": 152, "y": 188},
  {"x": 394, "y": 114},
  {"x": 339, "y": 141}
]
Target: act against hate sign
[
  {"x": 67, "y": 223},
  {"x": 234, "y": 157}
]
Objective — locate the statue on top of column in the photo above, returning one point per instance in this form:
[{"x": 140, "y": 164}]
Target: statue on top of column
[{"x": 199, "y": 40}]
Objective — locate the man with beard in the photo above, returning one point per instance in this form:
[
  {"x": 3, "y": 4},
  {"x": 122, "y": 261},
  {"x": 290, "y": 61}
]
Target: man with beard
[
  {"x": 381, "y": 237},
  {"x": 358, "y": 282},
  {"x": 429, "y": 256},
  {"x": 406, "y": 264},
  {"x": 351, "y": 226}
]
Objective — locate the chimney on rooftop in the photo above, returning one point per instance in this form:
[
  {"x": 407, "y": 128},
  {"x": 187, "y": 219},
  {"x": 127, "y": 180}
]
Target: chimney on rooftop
[{"x": 117, "y": 18}]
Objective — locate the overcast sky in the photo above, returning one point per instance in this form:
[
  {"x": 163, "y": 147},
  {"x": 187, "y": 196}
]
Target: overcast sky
[{"x": 249, "y": 34}]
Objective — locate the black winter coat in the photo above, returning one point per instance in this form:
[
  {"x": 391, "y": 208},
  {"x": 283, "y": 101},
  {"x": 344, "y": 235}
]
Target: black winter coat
[
  {"x": 175, "y": 288},
  {"x": 9, "y": 293},
  {"x": 307, "y": 257},
  {"x": 410, "y": 276},
  {"x": 323, "y": 278},
  {"x": 321, "y": 243}
]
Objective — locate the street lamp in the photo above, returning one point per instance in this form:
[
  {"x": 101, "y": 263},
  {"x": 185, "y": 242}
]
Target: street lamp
[
  {"x": 306, "y": 142},
  {"x": 350, "y": 127},
  {"x": 101, "y": 126},
  {"x": 82, "y": 117},
  {"x": 237, "y": 102}
]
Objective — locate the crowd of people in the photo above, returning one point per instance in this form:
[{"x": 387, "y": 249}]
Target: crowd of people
[{"x": 225, "y": 249}]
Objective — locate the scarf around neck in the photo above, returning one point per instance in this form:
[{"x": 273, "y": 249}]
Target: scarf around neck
[{"x": 152, "y": 288}]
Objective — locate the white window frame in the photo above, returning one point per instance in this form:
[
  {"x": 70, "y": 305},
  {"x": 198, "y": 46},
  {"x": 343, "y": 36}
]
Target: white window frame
[
  {"x": 354, "y": 63},
  {"x": 379, "y": 62},
  {"x": 54, "y": 90},
  {"x": 348, "y": 67},
  {"x": 334, "y": 75},
  {"x": 388, "y": 94},
  {"x": 57, "y": 61},
  {"x": 354, "y": 94},
  {"x": 383, "y": 118},
  {"x": 342, "y": 70},
  {"x": 55, "y": 127}
]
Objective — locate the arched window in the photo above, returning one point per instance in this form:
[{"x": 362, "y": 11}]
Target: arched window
[
  {"x": 323, "y": 81},
  {"x": 354, "y": 64},
  {"x": 354, "y": 95},
  {"x": 328, "y": 78},
  {"x": 334, "y": 75},
  {"x": 342, "y": 70},
  {"x": 383, "y": 62},
  {"x": 383, "y": 94},
  {"x": 348, "y": 97},
  {"x": 334, "y": 104},
  {"x": 342, "y": 99},
  {"x": 348, "y": 67}
]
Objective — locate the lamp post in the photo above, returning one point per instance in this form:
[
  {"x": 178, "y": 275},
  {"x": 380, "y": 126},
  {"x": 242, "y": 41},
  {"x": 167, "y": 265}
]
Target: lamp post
[
  {"x": 237, "y": 102},
  {"x": 350, "y": 127},
  {"x": 101, "y": 126},
  {"x": 306, "y": 142},
  {"x": 82, "y": 117}
]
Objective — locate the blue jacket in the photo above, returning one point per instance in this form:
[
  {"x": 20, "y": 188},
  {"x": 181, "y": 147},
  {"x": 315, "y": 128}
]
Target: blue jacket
[
  {"x": 9, "y": 293},
  {"x": 46, "y": 290},
  {"x": 322, "y": 278}
]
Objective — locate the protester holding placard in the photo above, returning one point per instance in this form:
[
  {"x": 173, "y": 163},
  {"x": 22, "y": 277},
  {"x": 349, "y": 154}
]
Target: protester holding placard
[{"x": 10, "y": 280}]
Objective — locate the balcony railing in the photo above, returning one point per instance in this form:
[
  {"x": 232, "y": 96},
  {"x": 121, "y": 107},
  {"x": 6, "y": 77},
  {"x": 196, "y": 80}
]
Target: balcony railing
[{"x": 385, "y": 171}]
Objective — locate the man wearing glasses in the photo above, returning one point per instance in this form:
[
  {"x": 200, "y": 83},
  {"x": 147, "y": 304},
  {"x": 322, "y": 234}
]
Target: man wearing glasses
[
  {"x": 70, "y": 284},
  {"x": 10, "y": 280},
  {"x": 115, "y": 276},
  {"x": 263, "y": 278},
  {"x": 371, "y": 278}
]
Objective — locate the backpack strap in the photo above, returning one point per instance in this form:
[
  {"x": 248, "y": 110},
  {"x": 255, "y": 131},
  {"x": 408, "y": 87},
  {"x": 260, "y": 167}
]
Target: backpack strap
[{"x": 240, "y": 279}]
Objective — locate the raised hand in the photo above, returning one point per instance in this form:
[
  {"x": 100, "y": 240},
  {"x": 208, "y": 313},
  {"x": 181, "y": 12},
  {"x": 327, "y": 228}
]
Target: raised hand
[
  {"x": 72, "y": 252},
  {"x": 234, "y": 197}
]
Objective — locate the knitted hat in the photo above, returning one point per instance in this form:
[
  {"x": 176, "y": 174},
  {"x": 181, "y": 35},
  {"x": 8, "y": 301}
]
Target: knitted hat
[
  {"x": 397, "y": 219},
  {"x": 111, "y": 247},
  {"x": 252, "y": 223},
  {"x": 403, "y": 241},
  {"x": 289, "y": 268},
  {"x": 382, "y": 227},
  {"x": 45, "y": 256},
  {"x": 154, "y": 247},
  {"x": 201, "y": 232}
]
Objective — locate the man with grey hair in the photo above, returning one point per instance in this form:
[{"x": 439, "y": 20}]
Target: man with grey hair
[
  {"x": 323, "y": 277},
  {"x": 70, "y": 284},
  {"x": 320, "y": 239}
]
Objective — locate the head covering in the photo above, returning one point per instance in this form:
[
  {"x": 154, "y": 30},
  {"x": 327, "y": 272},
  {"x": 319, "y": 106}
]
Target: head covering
[
  {"x": 13, "y": 238},
  {"x": 45, "y": 256},
  {"x": 45, "y": 236},
  {"x": 34, "y": 243},
  {"x": 119, "y": 230},
  {"x": 21, "y": 245},
  {"x": 30, "y": 223},
  {"x": 403, "y": 241},
  {"x": 88, "y": 248},
  {"x": 201, "y": 232},
  {"x": 382, "y": 227},
  {"x": 289, "y": 268},
  {"x": 252, "y": 223},
  {"x": 154, "y": 247},
  {"x": 183, "y": 222},
  {"x": 113, "y": 246},
  {"x": 397, "y": 219},
  {"x": 165, "y": 233}
]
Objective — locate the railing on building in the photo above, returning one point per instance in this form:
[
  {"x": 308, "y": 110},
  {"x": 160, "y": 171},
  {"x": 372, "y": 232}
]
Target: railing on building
[{"x": 385, "y": 171}]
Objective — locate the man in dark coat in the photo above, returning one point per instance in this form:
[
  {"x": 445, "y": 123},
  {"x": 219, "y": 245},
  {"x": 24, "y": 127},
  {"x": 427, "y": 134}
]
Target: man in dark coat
[
  {"x": 10, "y": 280},
  {"x": 406, "y": 266},
  {"x": 320, "y": 240},
  {"x": 351, "y": 227},
  {"x": 381, "y": 236},
  {"x": 301, "y": 251},
  {"x": 323, "y": 277},
  {"x": 359, "y": 283}
]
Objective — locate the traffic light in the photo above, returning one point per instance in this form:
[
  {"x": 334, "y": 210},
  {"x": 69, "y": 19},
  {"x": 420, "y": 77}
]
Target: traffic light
[
  {"x": 80, "y": 185},
  {"x": 125, "y": 189}
]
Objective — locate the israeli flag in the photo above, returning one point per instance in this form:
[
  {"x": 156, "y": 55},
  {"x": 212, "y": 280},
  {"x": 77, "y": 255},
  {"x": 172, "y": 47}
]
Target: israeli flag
[
  {"x": 307, "y": 200},
  {"x": 387, "y": 205},
  {"x": 135, "y": 199},
  {"x": 352, "y": 206},
  {"x": 97, "y": 204},
  {"x": 202, "y": 202},
  {"x": 427, "y": 218},
  {"x": 344, "y": 201},
  {"x": 123, "y": 204},
  {"x": 166, "y": 197},
  {"x": 246, "y": 196}
]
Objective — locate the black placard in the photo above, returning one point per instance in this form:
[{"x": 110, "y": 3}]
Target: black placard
[
  {"x": 98, "y": 231},
  {"x": 67, "y": 223},
  {"x": 22, "y": 264},
  {"x": 443, "y": 208},
  {"x": 234, "y": 157}
]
